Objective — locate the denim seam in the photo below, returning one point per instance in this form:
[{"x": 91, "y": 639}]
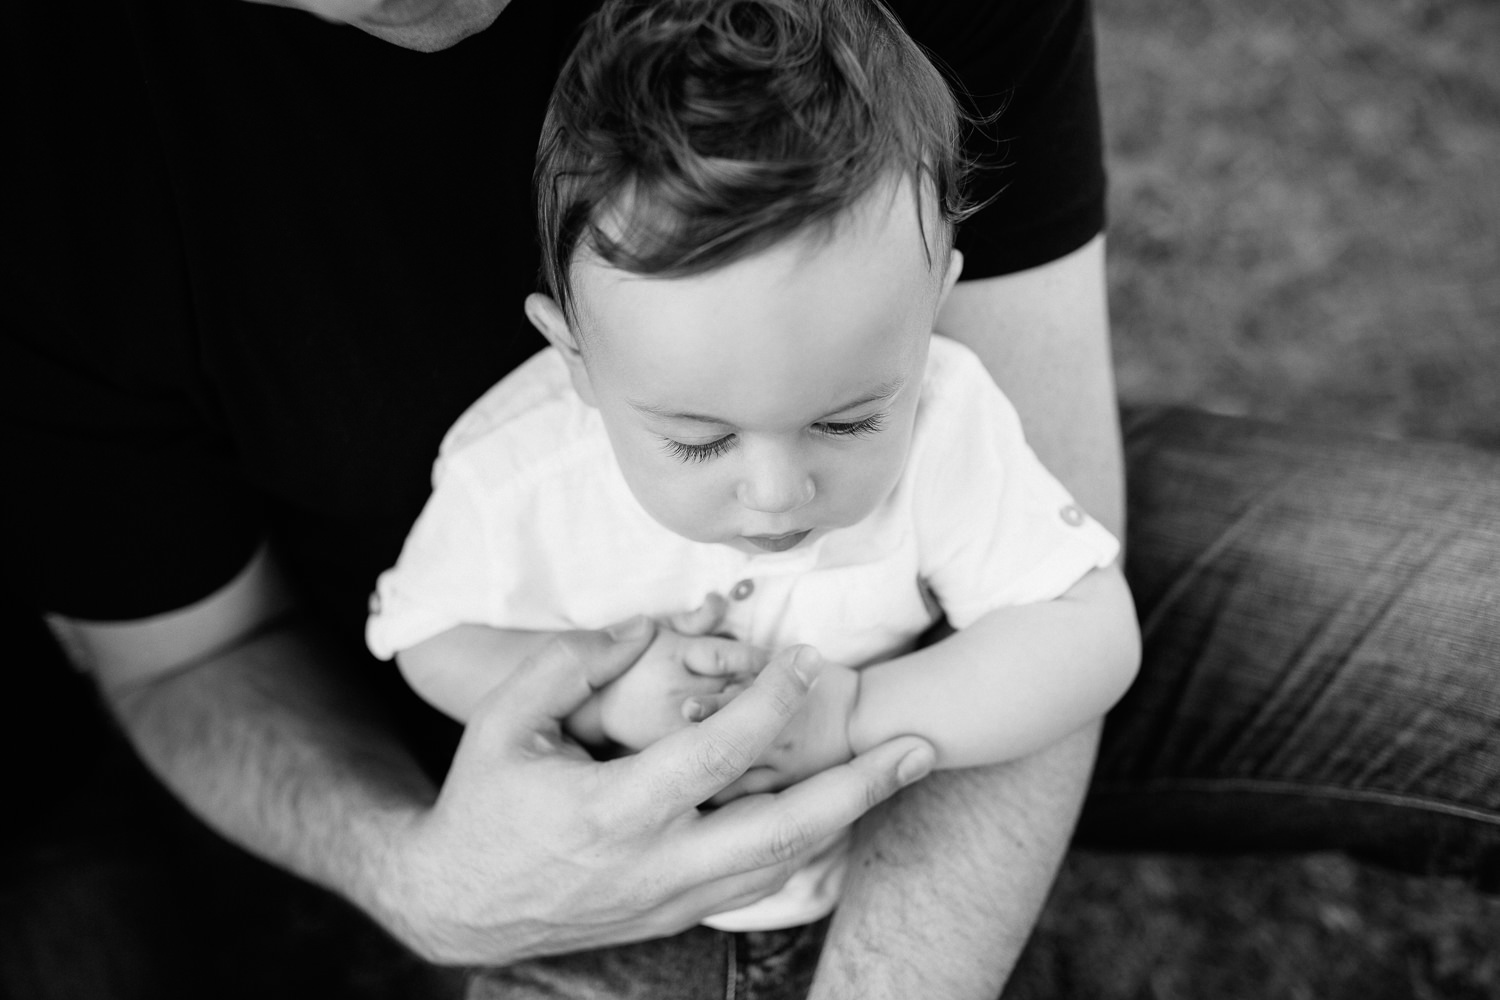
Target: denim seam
[
  {"x": 731, "y": 966},
  {"x": 1315, "y": 791}
]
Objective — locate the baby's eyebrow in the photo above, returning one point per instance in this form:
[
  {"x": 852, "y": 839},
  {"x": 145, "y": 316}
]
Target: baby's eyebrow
[
  {"x": 652, "y": 409},
  {"x": 883, "y": 391}
]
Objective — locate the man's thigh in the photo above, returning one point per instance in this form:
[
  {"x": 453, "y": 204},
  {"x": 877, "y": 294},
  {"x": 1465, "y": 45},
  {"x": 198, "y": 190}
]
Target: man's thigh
[{"x": 1322, "y": 647}]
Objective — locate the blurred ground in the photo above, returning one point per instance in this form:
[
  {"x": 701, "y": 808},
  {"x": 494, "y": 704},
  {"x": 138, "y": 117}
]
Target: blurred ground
[
  {"x": 1305, "y": 226},
  {"x": 1305, "y": 209}
]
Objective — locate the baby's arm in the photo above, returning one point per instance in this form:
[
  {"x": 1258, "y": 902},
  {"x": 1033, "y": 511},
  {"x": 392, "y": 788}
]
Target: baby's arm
[
  {"x": 1016, "y": 680},
  {"x": 455, "y": 669}
]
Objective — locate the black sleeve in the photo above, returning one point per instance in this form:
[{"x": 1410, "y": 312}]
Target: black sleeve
[
  {"x": 121, "y": 501},
  {"x": 1025, "y": 68},
  {"x": 261, "y": 262}
]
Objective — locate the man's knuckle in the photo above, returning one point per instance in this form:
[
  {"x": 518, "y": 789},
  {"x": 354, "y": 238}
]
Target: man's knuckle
[
  {"x": 876, "y": 790},
  {"x": 569, "y": 646},
  {"x": 791, "y": 836},
  {"x": 598, "y": 821},
  {"x": 719, "y": 758}
]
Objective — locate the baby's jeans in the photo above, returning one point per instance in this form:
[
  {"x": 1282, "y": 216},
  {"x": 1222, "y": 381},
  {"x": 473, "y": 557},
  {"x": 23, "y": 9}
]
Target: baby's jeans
[{"x": 1322, "y": 671}]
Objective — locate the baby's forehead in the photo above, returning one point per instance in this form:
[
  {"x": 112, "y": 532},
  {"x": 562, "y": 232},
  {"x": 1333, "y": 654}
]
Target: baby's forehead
[{"x": 895, "y": 211}]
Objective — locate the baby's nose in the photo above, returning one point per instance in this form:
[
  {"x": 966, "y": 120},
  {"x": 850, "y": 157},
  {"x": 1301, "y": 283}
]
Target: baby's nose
[{"x": 776, "y": 488}]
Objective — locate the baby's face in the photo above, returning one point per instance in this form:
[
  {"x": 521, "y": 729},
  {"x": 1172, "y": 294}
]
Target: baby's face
[{"x": 773, "y": 399}]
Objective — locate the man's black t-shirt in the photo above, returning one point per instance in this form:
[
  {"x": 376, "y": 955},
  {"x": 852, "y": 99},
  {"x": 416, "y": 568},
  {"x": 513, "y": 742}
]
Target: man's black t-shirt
[{"x": 262, "y": 262}]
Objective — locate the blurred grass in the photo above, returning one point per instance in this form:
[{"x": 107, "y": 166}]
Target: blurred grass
[
  {"x": 1305, "y": 211},
  {"x": 1305, "y": 226},
  {"x": 1156, "y": 927}
]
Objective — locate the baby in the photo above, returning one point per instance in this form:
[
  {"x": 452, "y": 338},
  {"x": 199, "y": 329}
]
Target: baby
[{"x": 747, "y": 214}]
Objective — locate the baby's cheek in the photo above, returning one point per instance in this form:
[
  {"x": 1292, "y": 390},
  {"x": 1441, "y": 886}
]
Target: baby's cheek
[
  {"x": 867, "y": 483},
  {"x": 684, "y": 508}
]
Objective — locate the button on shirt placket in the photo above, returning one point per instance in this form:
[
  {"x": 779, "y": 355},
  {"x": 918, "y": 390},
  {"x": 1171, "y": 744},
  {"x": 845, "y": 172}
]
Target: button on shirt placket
[
  {"x": 758, "y": 588},
  {"x": 745, "y": 595},
  {"x": 767, "y": 584}
]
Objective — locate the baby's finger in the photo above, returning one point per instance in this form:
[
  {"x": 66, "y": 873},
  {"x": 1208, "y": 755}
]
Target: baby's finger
[
  {"x": 702, "y": 620},
  {"x": 711, "y": 656},
  {"x": 700, "y": 707}
]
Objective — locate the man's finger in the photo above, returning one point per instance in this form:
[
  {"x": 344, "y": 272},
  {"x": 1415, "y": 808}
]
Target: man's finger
[
  {"x": 691, "y": 765},
  {"x": 762, "y": 830}
]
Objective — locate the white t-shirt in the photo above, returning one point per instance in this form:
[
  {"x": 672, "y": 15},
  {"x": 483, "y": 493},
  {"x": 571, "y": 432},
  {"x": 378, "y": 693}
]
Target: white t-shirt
[{"x": 532, "y": 526}]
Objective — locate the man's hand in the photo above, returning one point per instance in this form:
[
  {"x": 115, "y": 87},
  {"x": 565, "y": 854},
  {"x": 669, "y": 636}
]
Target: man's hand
[{"x": 532, "y": 848}]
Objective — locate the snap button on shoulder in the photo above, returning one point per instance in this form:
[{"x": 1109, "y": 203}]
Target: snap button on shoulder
[
  {"x": 742, "y": 590},
  {"x": 1071, "y": 515}
]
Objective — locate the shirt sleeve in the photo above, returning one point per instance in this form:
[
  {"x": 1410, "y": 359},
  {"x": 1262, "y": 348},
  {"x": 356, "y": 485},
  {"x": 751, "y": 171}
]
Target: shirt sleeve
[
  {"x": 996, "y": 529},
  {"x": 1025, "y": 72},
  {"x": 486, "y": 550},
  {"x": 443, "y": 577},
  {"x": 126, "y": 504},
  {"x": 123, "y": 499}
]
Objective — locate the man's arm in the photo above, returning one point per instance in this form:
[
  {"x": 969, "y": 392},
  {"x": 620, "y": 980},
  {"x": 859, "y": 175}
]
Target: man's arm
[
  {"x": 239, "y": 707},
  {"x": 948, "y": 878},
  {"x": 231, "y": 703}
]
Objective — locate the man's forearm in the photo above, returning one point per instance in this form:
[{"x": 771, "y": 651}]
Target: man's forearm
[
  {"x": 1043, "y": 335},
  {"x": 993, "y": 838},
  {"x": 268, "y": 748}
]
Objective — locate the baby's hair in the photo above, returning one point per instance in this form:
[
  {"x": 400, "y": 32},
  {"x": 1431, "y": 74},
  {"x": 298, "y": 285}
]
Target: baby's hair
[{"x": 683, "y": 135}]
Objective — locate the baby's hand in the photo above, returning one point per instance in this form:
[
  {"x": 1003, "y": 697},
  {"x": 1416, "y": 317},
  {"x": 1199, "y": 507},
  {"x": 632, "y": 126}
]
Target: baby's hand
[
  {"x": 654, "y": 697},
  {"x": 684, "y": 676},
  {"x": 816, "y": 739}
]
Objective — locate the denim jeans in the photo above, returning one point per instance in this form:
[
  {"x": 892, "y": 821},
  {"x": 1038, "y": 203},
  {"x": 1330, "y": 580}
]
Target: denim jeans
[
  {"x": 1322, "y": 670},
  {"x": 701, "y": 964}
]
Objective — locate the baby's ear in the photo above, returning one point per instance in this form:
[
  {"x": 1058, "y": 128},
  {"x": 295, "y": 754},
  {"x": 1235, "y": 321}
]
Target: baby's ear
[
  {"x": 547, "y": 316},
  {"x": 955, "y": 270}
]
